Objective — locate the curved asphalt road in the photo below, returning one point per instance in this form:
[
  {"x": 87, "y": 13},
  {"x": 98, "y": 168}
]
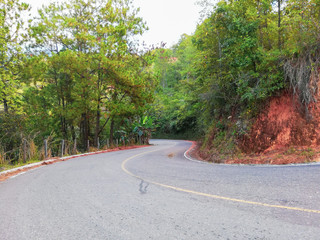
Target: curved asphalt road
[{"x": 156, "y": 193}]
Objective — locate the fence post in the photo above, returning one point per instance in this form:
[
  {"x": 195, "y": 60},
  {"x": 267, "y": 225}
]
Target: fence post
[
  {"x": 88, "y": 146},
  {"x": 24, "y": 150},
  {"x": 98, "y": 143},
  {"x": 45, "y": 149},
  {"x": 62, "y": 148},
  {"x": 117, "y": 142},
  {"x": 108, "y": 144}
]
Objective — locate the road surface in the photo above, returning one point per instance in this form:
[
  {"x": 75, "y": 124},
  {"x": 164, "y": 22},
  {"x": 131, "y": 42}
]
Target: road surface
[{"x": 156, "y": 193}]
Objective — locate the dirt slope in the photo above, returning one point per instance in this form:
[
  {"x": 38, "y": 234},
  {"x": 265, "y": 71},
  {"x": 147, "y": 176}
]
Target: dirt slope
[
  {"x": 283, "y": 124},
  {"x": 281, "y": 134}
]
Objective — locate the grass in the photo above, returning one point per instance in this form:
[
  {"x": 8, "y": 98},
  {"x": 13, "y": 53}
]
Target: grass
[
  {"x": 308, "y": 153},
  {"x": 7, "y": 166}
]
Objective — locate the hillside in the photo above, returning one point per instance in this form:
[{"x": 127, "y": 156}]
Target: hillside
[
  {"x": 279, "y": 135},
  {"x": 246, "y": 84}
]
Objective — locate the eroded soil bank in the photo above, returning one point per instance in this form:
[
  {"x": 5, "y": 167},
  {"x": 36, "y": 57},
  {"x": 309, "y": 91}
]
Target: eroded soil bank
[
  {"x": 283, "y": 133},
  {"x": 290, "y": 155}
]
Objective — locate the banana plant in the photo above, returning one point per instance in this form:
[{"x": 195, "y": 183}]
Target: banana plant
[{"x": 143, "y": 128}]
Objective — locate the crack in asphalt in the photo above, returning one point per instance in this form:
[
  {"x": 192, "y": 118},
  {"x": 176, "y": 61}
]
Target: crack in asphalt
[
  {"x": 229, "y": 199},
  {"x": 143, "y": 189}
]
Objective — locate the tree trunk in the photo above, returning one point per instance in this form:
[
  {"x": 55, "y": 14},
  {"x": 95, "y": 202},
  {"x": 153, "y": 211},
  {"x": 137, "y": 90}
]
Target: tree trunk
[
  {"x": 63, "y": 127},
  {"x": 260, "y": 22},
  {"x": 268, "y": 36},
  {"x": 84, "y": 130},
  {"x": 5, "y": 105},
  {"x": 279, "y": 24},
  {"x": 73, "y": 132},
  {"x": 98, "y": 114},
  {"x": 97, "y": 130},
  {"x": 111, "y": 131},
  {"x": 63, "y": 120}
]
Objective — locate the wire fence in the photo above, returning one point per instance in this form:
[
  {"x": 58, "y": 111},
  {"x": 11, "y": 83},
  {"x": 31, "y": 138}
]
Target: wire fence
[{"x": 28, "y": 151}]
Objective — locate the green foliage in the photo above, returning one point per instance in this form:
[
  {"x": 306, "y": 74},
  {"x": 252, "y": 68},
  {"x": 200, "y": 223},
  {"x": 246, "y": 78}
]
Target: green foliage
[
  {"x": 91, "y": 70},
  {"x": 143, "y": 128},
  {"x": 11, "y": 54},
  {"x": 242, "y": 54},
  {"x": 73, "y": 74},
  {"x": 176, "y": 105}
]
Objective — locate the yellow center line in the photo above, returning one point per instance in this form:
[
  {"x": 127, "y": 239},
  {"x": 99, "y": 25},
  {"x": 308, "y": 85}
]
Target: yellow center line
[{"x": 123, "y": 166}]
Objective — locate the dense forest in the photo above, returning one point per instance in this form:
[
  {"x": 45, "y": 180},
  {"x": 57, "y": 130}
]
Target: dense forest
[
  {"x": 72, "y": 73},
  {"x": 76, "y": 73},
  {"x": 216, "y": 83}
]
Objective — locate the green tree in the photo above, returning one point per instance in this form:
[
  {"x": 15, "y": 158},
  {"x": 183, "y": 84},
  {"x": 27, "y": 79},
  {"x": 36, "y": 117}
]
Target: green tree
[
  {"x": 92, "y": 66},
  {"x": 11, "y": 54},
  {"x": 176, "y": 103}
]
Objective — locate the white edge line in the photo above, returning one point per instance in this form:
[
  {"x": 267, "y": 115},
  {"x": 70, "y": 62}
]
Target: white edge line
[
  {"x": 249, "y": 165},
  {"x": 45, "y": 161},
  {"x": 193, "y": 160},
  {"x": 48, "y": 161}
]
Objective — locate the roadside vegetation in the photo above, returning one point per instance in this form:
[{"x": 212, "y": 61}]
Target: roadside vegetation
[
  {"x": 72, "y": 76},
  {"x": 245, "y": 82},
  {"x": 246, "y": 61}
]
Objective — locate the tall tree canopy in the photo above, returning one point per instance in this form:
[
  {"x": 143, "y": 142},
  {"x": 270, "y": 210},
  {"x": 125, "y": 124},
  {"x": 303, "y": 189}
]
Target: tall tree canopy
[
  {"x": 90, "y": 63},
  {"x": 243, "y": 53},
  {"x": 75, "y": 72}
]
